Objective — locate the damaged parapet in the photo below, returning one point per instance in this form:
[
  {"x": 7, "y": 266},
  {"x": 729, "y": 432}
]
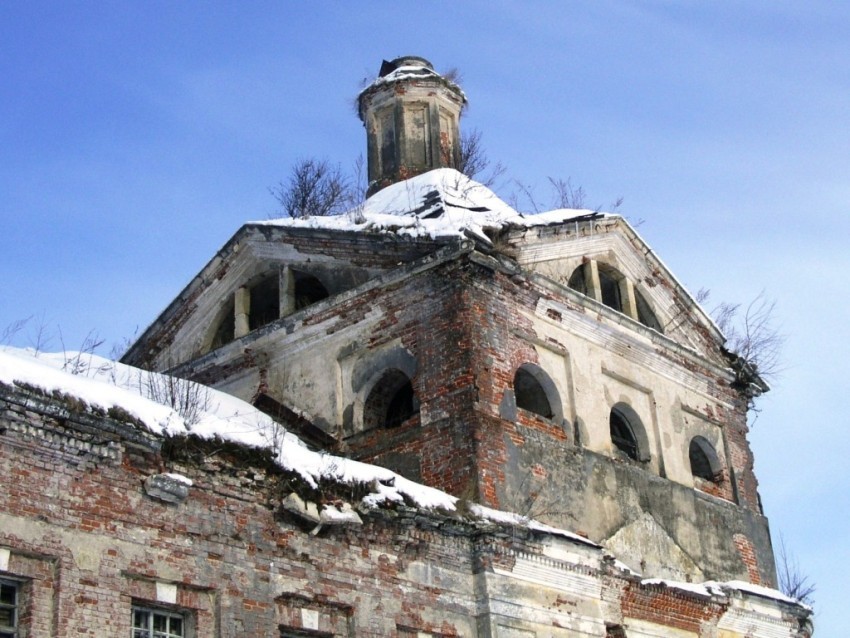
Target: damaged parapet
[
  {"x": 342, "y": 514},
  {"x": 171, "y": 488},
  {"x": 411, "y": 114}
]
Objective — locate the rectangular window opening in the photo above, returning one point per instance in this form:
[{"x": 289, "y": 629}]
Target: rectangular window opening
[
  {"x": 157, "y": 623},
  {"x": 10, "y": 597}
]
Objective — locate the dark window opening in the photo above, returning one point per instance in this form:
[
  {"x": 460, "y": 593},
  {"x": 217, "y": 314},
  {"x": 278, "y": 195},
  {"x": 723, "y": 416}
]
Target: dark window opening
[
  {"x": 9, "y": 603},
  {"x": 703, "y": 459},
  {"x": 157, "y": 623},
  {"x": 645, "y": 314},
  {"x": 623, "y": 436},
  {"x": 391, "y": 401},
  {"x": 265, "y": 302},
  {"x": 308, "y": 290},
  {"x": 226, "y": 328},
  {"x": 388, "y": 142},
  {"x": 577, "y": 281},
  {"x": 610, "y": 285},
  {"x": 530, "y": 395},
  {"x": 614, "y": 631},
  {"x": 286, "y": 632},
  {"x": 400, "y": 408}
]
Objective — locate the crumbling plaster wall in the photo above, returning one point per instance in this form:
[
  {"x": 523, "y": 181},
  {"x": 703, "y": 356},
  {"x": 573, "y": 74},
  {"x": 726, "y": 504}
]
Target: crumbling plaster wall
[
  {"x": 185, "y": 330},
  {"x": 87, "y": 542},
  {"x": 555, "y": 253},
  {"x": 570, "y": 473},
  {"x": 323, "y": 361}
]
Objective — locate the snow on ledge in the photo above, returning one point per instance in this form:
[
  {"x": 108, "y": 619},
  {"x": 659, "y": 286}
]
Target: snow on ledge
[
  {"x": 713, "y": 588},
  {"x": 104, "y": 384}
]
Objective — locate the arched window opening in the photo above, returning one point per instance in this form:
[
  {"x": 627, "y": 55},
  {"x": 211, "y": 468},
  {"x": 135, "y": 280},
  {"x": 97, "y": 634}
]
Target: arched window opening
[
  {"x": 265, "y": 302},
  {"x": 627, "y": 433},
  {"x": 391, "y": 401},
  {"x": 609, "y": 283},
  {"x": 226, "y": 328},
  {"x": 530, "y": 395},
  {"x": 623, "y": 436},
  {"x": 577, "y": 280},
  {"x": 704, "y": 461},
  {"x": 308, "y": 290},
  {"x": 645, "y": 314}
]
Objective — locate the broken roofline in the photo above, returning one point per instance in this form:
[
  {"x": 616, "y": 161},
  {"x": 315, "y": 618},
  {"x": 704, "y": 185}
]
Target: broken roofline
[{"x": 447, "y": 247}]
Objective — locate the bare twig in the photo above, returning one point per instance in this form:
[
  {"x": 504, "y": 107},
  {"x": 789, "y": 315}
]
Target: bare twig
[
  {"x": 11, "y": 330},
  {"x": 752, "y": 334},
  {"x": 792, "y": 581},
  {"x": 315, "y": 188}
]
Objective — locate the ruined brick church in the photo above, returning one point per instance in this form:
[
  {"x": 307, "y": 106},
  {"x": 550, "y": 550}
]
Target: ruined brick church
[{"x": 549, "y": 366}]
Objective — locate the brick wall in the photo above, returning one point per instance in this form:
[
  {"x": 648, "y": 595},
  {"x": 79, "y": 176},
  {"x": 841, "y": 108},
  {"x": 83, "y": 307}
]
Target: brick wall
[{"x": 88, "y": 543}]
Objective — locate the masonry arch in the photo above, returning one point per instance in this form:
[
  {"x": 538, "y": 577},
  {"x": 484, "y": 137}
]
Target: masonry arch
[
  {"x": 390, "y": 401},
  {"x": 628, "y": 434},
  {"x": 610, "y": 283},
  {"x": 535, "y": 392},
  {"x": 705, "y": 463},
  {"x": 605, "y": 283},
  {"x": 578, "y": 279},
  {"x": 307, "y": 289},
  {"x": 645, "y": 313},
  {"x": 223, "y": 327}
]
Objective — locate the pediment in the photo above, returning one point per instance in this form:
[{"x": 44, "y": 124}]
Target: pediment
[{"x": 559, "y": 252}]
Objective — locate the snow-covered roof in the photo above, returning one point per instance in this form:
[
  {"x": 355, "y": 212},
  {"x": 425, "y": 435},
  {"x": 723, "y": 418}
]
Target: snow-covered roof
[
  {"x": 442, "y": 203},
  {"x": 410, "y": 68}
]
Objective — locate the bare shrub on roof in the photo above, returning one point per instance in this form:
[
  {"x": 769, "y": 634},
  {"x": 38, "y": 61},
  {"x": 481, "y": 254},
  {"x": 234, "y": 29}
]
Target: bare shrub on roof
[
  {"x": 566, "y": 195},
  {"x": 562, "y": 194},
  {"x": 792, "y": 581},
  {"x": 315, "y": 188},
  {"x": 471, "y": 160},
  {"x": 12, "y": 329},
  {"x": 189, "y": 399},
  {"x": 751, "y": 333},
  {"x": 79, "y": 362}
]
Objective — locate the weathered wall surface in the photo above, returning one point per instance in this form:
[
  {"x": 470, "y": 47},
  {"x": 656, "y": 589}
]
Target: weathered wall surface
[
  {"x": 459, "y": 325},
  {"x": 85, "y": 541},
  {"x": 565, "y": 469},
  {"x": 460, "y": 330}
]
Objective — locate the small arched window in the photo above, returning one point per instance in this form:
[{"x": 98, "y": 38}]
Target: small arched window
[
  {"x": 307, "y": 289},
  {"x": 391, "y": 401},
  {"x": 645, "y": 314},
  {"x": 534, "y": 391},
  {"x": 613, "y": 286},
  {"x": 704, "y": 461},
  {"x": 530, "y": 395},
  {"x": 627, "y": 433},
  {"x": 577, "y": 280},
  {"x": 224, "y": 332}
]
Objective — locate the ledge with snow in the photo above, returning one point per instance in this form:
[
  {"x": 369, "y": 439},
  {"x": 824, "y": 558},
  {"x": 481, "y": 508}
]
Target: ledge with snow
[{"x": 100, "y": 512}]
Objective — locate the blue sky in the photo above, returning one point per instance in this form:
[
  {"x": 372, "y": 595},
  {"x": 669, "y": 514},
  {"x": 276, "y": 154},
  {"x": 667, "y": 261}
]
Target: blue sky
[{"x": 135, "y": 138}]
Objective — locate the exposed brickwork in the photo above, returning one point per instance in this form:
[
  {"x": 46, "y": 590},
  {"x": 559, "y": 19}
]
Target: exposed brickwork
[
  {"x": 748, "y": 557},
  {"x": 88, "y": 544},
  {"x": 672, "y": 608}
]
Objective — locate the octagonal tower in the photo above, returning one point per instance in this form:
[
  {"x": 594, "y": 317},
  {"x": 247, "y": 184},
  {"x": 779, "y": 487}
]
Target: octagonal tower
[{"x": 411, "y": 114}]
